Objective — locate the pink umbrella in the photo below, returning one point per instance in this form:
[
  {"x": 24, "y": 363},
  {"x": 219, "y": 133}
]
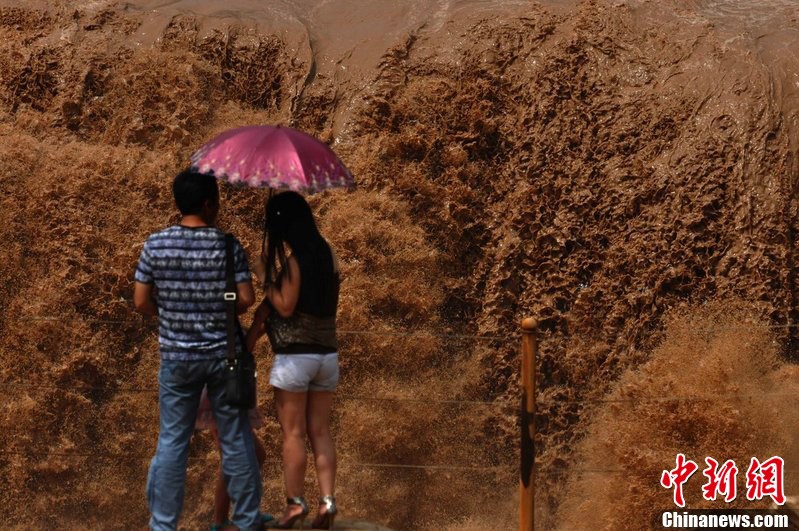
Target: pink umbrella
[{"x": 280, "y": 158}]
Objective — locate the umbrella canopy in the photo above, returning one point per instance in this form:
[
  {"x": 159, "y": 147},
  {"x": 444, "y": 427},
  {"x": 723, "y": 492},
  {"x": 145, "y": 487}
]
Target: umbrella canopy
[{"x": 280, "y": 158}]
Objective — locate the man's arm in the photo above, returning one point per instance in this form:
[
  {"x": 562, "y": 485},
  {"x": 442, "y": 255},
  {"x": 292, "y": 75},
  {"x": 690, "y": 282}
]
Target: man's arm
[
  {"x": 245, "y": 296},
  {"x": 143, "y": 298}
]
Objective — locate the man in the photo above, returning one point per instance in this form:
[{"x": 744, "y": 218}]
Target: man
[{"x": 181, "y": 279}]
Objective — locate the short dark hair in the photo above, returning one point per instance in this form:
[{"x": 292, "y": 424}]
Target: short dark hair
[{"x": 192, "y": 190}]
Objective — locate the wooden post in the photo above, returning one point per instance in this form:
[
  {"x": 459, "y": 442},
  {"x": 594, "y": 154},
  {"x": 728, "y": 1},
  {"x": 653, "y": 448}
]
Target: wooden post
[{"x": 529, "y": 351}]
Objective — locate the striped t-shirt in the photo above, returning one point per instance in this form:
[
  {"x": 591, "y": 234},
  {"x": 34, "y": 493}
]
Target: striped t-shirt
[{"x": 187, "y": 267}]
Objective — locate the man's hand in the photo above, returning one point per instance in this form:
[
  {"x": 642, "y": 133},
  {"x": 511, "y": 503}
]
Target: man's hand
[{"x": 143, "y": 299}]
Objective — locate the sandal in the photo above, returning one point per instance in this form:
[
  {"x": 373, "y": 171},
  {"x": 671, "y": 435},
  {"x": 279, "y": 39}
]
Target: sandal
[
  {"x": 324, "y": 520},
  {"x": 289, "y": 522}
]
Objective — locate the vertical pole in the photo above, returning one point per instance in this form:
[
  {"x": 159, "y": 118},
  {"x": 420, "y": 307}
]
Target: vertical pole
[{"x": 529, "y": 351}]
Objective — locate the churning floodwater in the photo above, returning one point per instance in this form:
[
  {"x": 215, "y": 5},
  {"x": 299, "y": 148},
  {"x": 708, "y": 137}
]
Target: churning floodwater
[{"x": 624, "y": 171}]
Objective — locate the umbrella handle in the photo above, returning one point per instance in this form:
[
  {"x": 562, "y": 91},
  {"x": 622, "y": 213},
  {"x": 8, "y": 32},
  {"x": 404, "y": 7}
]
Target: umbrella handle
[{"x": 263, "y": 240}]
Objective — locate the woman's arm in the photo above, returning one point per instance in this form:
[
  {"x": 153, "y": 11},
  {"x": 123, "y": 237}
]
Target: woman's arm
[
  {"x": 259, "y": 270},
  {"x": 258, "y": 328},
  {"x": 284, "y": 300}
]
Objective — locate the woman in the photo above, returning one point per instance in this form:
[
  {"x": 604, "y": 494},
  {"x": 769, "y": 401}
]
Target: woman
[
  {"x": 299, "y": 316},
  {"x": 205, "y": 421}
]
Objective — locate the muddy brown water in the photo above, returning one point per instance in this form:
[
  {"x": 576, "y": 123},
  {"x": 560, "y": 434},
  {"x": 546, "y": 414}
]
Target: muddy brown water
[{"x": 624, "y": 171}]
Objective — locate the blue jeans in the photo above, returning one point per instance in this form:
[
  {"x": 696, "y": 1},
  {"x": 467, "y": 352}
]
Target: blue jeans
[{"x": 180, "y": 386}]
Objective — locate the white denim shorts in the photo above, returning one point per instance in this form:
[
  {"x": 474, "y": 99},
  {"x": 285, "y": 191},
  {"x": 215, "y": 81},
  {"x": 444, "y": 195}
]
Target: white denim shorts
[{"x": 305, "y": 372}]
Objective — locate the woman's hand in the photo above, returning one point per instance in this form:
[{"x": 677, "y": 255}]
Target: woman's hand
[
  {"x": 258, "y": 328},
  {"x": 262, "y": 312}
]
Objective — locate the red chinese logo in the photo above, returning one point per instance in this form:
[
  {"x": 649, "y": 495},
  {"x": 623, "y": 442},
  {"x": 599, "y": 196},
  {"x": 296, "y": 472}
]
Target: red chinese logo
[
  {"x": 676, "y": 477},
  {"x": 719, "y": 480},
  {"x": 765, "y": 479},
  {"x": 762, "y": 479}
]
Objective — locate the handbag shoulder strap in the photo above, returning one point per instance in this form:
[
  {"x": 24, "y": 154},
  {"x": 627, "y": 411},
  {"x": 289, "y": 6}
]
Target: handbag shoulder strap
[{"x": 230, "y": 298}]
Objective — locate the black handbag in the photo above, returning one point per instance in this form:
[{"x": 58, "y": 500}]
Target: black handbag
[{"x": 240, "y": 373}]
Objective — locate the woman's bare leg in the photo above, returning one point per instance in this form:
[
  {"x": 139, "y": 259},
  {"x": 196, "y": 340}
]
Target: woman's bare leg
[
  {"x": 260, "y": 451},
  {"x": 291, "y": 414},
  {"x": 320, "y": 404},
  {"x": 221, "y": 500}
]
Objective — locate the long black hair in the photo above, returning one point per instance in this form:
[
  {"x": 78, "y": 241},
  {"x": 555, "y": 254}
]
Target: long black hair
[{"x": 289, "y": 220}]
